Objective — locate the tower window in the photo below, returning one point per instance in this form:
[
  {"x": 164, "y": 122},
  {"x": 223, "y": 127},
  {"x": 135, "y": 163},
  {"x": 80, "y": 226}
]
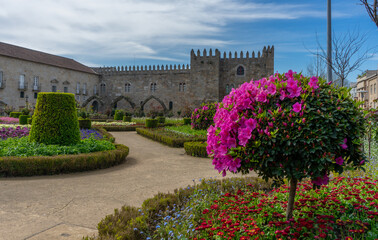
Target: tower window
[
  {"x": 102, "y": 88},
  {"x": 153, "y": 87},
  {"x": 127, "y": 87},
  {"x": 240, "y": 71}
]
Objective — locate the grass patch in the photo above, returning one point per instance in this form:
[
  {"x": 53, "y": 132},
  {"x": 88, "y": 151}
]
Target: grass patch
[
  {"x": 187, "y": 130},
  {"x": 169, "y": 138}
]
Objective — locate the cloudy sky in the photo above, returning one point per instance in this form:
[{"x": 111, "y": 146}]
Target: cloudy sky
[{"x": 148, "y": 32}]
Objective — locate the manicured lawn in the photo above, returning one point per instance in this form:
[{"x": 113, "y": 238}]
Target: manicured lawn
[{"x": 186, "y": 130}]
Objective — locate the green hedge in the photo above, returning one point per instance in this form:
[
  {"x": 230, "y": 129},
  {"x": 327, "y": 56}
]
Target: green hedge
[
  {"x": 15, "y": 114},
  {"x": 121, "y": 128},
  {"x": 85, "y": 123},
  {"x": 47, "y": 165},
  {"x": 152, "y": 123},
  {"x": 118, "y": 115},
  {"x": 187, "y": 121},
  {"x": 29, "y": 120},
  {"x": 23, "y": 119},
  {"x": 171, "y": 141},
  {"x": 161, "y": 119},
  {"x": 196, "y": 149},
  {"x": 105, "y": 134},
  {"x": 127, "y": 118},
  {"x": 55, "y": 119}
]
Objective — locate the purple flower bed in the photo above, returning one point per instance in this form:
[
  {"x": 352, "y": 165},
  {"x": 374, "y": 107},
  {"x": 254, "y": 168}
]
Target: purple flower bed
[
  {"x": 13, "y": 132},
  {"x": 8, "y": 120},
  {"x": 87, "y": 133}
]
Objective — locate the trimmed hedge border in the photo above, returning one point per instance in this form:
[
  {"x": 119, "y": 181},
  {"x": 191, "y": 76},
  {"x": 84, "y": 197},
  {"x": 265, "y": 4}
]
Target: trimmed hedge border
[
  {"x": 104, "y": 133},
  {"x": 170, "y": 141},
  {"x": 196, "y": 149},
  {"x": 119, "y": 128},
  {"x": 48, "y": 165}
]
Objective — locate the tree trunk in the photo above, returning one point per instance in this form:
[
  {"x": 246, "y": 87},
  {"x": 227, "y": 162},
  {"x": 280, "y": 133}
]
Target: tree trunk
[{"x": 290, "y": 204}]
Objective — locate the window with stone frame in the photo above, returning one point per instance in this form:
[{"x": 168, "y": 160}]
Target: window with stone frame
[
  {"x": 240, "y": 71},
  {"x": 227, "y": 89},
  {"x": 53, "y": 88},
  {"x": 77, "y": 88},
  {"x": 22, "y": 94},
  {"x": 36, "y": 83},
  {"x": 102, "y": 88},
  {"x": 127, "y": 87},
  {"x": 35, "y": 95},
  {"x": 22, "y": 81},
  {"x": 1, "y": 79},
  {"x": 153, "y": 87},
  {"x": 183, "y": 87},
  {"x": 84, "y": 88},
  {"x": 65, "y": 89}
]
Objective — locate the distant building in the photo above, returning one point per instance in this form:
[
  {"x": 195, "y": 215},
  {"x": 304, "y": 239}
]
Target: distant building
[
  {"x": 353, "y": 90},
  {"x": 210, "y": 77},
  {"x": 367, "y": 89}
]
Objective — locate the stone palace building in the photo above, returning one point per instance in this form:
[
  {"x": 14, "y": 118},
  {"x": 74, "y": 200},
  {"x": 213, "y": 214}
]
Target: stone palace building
[{"x": 209, "y": 77}]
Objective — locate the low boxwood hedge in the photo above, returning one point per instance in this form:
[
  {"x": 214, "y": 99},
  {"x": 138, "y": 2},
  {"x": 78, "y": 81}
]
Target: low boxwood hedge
[
  {"x": 196, "y": 149},
  {"x": 23, "y": 119},
  {"x": 49, "y": 165},
  {"x": 152, "y": 123},
  {"x": 85, "y": 123},
  {"x": 127, "y": 118},
  {"x": 166, "y": 137},
  {"x": 105, "y": 133},
  {"x": 187, "y": 121},
  {"x": 15, "y": 114}
]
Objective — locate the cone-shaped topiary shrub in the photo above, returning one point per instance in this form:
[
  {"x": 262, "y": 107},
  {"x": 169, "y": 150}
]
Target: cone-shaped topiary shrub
[
  {"x": 55, "y": 120},
  {"x": 288, "y": 126}
]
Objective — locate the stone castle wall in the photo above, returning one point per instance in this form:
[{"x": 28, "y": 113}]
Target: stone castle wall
[{"x": 205, "y": 80}]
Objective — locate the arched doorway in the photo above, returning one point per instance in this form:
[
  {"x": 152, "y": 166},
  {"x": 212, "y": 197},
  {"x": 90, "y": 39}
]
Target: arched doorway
[{"x": 94, "y": 106}]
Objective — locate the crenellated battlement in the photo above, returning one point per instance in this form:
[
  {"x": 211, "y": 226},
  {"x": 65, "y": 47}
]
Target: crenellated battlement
[
  {"x": 142, "y": 69},
  {"x": 266, "y": 52}
]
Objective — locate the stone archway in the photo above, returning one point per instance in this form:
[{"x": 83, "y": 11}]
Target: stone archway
[
  {"x": 155, "y": 98},
  {"x": 94, "y": 97},
  {"x": 115, "y": 101}
]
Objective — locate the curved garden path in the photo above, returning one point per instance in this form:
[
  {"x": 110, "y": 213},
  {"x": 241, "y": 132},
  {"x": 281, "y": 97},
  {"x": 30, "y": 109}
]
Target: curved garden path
[{"x": 70, "y": 206}]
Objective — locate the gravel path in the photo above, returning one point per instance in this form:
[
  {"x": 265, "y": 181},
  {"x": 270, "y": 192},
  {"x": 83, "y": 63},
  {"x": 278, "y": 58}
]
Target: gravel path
[{"x": 70, "y": 206}]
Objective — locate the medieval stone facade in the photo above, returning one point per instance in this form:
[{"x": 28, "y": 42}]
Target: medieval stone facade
[{"x": 209, "y": 77}]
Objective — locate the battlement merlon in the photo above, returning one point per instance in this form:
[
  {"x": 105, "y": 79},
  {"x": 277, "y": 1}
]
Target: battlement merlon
[
  {"x": 266, "y": 52},
  {"x": 142, "y": 69}
]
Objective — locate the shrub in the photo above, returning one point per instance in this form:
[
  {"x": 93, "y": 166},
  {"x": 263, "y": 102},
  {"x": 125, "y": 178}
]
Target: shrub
[
  {"x": 151, "y": 123},
  {"x": 161, "y": 119},
  {"x": 85, "y": 123},
  {"x": 118, "y": 115},
  {"x": 202, "y": 117},
  {"x": 290, "y": 127},
  {"x": 187, "y": 121},
  {"x": 196, "y": 149},
  {"x": 25, "y": 111},
  {"x": 127, "y": 118},
  {"x": 15, "y": 114},
  {"x": 49, "y": 165},
  {"x": 29, "y": 120},
  {"x": 55, "y": 120},
  {"x": 23, "y": 119}
]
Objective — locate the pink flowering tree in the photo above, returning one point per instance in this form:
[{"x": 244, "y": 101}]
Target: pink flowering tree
[
  {"x": 287, "y": 126},
  {"x": 202, "y": 117}
]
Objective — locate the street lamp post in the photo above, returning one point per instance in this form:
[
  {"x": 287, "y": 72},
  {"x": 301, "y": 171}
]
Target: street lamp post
[{"x": 329, "y": 42}]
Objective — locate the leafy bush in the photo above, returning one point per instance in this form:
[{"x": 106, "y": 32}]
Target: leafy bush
[
  {"x": 127, "y": 118},
  {"x": 161, "y": 119},
  {"x": 187, "y": 121},
  {"x": 25, "y": 111},
  {"x": 202, "y": 117},
  {"x": 288, "y": 126},
  {"x": 48, "y": 165},
  {"x": 55, "y": 120},
  {"x": 29, "y": 120},
  {"x": 151, "y": 123},
  {"x": 196, "y": 149},
  {"x": 118, "y": 115},
  {"x": 15, "y": 114},
  {"x": 85, "y": 123},
  {"x": 23, "y": 119}
]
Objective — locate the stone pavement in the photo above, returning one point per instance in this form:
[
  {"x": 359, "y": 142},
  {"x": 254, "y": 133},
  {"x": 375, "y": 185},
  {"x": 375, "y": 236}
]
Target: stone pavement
[{"x": 69, "y": 206}]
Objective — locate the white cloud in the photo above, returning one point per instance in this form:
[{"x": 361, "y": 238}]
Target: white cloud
[{"x": 125, "y": 28}]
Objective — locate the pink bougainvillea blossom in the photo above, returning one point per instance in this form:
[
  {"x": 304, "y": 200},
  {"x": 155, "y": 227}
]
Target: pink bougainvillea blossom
[
  {"x": 339, "y": 161},
  {"x": 314, "y": 83},
  {"x": 344, "y": 146},
  {"x": 297, "y": 107}
]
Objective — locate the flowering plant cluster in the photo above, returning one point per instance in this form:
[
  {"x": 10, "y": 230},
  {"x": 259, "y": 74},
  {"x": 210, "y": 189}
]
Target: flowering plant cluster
[
  {"x": 202, "y": 117},
  {"x": 346, "y": 209},
  {"x": 287, "y": 126},
  {"x": 90, "y": 133},
  {"x": 8, "y": 120},
  {"x": 119, "y": 123},
  {"x": 11, "y": 132}
]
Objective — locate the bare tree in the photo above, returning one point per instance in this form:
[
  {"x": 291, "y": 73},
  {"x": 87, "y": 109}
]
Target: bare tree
[
  {"x": 371, "y": 9},
  {"x": 317, "y": 67},
  {"x": 348, "y": 53}
]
